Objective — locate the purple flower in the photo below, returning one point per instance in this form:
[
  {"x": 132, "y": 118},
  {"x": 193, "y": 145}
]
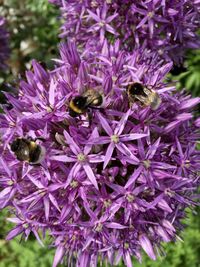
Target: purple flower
[
  {"x": 102, "y": 22},
  {"x": 116, "y": 179},
  {"x": 4, "y": 50},
  {"x": 81, "y": 159},
  {"x": 116, "y": 139},
  {"x": 166, "y": 27}
]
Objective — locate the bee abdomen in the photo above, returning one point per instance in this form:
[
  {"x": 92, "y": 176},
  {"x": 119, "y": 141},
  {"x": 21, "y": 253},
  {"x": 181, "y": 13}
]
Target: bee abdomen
[
  {"x": 155, "y": 102},
  {"x": 98, "y": 101},
  {"x": 37, "y": 155}
]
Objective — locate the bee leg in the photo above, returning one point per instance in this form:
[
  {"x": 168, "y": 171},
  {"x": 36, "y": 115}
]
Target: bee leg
[
  {"x": 130, "y": 104},
  {"x": 40, "y": 138},
  {"x": 147, "y": 91},
  {"x": 95, "y": 107},
  {"x": 90, "y": 117}
]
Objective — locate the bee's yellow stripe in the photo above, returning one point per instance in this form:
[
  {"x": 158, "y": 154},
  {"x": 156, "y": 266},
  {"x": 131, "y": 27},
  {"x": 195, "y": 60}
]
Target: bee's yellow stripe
[{"x": 74, "y": 108}]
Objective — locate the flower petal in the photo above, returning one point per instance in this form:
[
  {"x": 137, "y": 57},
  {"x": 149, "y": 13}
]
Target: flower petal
[
  {"x": 146, "y": 245},
  {"x": 46, "y": 208},
  {"x": 94, "y": 16},
  {"x": 54, "y": 201},
  {"x": 130, "y": 137},
  {"x": 105, "y": 125},
  {"x": 114, "y": 225},
  {"x": 153, "y": 148},
  {"x": 90, "y": 175},
  {"x": 120, "y": 126},
  {"x": 52, "y": 93},
  {"x": 127, "y": 259},
  {"x": 108, "y": 155},
  {"x": 63, "y": 158},
  {"x": 58, "y": 255},
  {"x": 74, "y": 147},
  {"x": 96, "y": 158},
  {"x": 102, "y": 140},
  {"x": 13, "y": 233},
  {"x": 134, "y": 176}
]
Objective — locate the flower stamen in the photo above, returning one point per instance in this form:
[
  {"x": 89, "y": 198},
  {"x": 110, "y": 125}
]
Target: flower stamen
[
  {"x": 147, "y": 164},
  {"x": 81, "y": 157},
  {"x": 130, "y": 197},
  {"x": 98, "y": 227},
  {"x": 115, "y": 138}
]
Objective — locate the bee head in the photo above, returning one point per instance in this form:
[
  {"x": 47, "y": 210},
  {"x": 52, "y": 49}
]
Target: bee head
[
  {"x": 15, "y": 145},
  {"x": 136, "y": 89},
  {"x": 79, "y": 101},
  {"x": 77, "y": 105}
]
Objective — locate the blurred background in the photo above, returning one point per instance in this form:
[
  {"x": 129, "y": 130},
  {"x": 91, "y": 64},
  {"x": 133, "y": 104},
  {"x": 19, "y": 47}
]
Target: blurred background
[{"x": 33, "y": 27}]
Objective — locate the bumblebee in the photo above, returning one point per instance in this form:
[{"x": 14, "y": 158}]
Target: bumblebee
[
  {"x": 80, "y": 104},
  {"x": 147, "y": 97},
  {"x": 27, "y": 150}
]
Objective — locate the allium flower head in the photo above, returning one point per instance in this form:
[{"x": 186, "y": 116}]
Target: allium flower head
[
  {"x": 4, "y": 51},
  {"x": 168, "y": 27},
  {"x": 116, "y": 179}
]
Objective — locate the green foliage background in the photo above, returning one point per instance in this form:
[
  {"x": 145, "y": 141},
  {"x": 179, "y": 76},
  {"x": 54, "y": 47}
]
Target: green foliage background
[{"x": 34, "y": 27}]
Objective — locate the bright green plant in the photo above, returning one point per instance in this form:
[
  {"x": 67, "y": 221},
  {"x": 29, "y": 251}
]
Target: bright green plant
[{"x": 190, "y": 78}]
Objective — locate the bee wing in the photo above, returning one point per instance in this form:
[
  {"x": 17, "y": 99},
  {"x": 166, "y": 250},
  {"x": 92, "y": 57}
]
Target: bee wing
[
  {"x": 147, "y": 91},
  {"x": 142, "y": 99},
  {"x": 155, "y": 101},
  {"x": 92, "y": 97}
]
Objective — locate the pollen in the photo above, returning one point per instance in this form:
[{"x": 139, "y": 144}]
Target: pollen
[
  {"x": 126, "y": 245},
  {"x": 115, "y": 138},
  {"x": 130, "y": 197},
  {"x": 94, "y": 4},
  {"x": 49, "y": 109},
  {"x": 113, "y": 58},
  {"x": 74, "y": 184},
  {"x": 186, "y": 164},
  {"x": 73, "y": 237},
  {"x": 147, "y": 164},
  {"x": 81, "y": 157},
  {"x": 99, "y": 227},
  {"x": 12, "y": 124},
  {"x": 107, "y": 203},
  {"x": 10, "y": 183},
  {"x": 114, "y": 78},
  {"x": 102, "y": 23},
  {"x": 169, "y": 192},
  {"x": 160, "y": 52},
  {"x": 151, "y": 14}
]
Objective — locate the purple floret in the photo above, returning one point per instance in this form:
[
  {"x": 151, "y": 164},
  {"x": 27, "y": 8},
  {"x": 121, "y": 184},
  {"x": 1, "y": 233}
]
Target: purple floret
[{"x": 166, "y": 27}]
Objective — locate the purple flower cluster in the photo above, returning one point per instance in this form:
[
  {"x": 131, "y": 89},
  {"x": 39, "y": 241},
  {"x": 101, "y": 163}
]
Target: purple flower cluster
[
  {"x": 114, "y": 180},
  {"x": 4, "y": 51},
  {"x": 167, "y": 27}
]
